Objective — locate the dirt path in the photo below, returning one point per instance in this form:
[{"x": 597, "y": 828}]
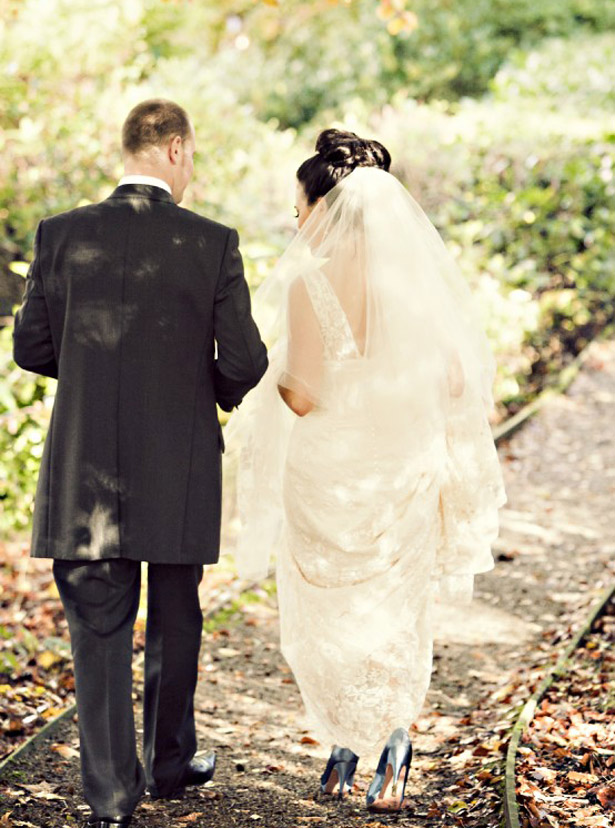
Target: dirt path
[{"x": 555, "y": 556}]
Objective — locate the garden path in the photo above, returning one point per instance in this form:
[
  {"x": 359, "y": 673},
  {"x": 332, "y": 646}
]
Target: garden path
[{"x": 554, "y": 557}]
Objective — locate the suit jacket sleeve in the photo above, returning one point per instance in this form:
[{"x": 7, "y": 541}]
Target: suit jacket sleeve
[
  {"x": 32, "y": 342},
  {"x": 242, "y": 357}
]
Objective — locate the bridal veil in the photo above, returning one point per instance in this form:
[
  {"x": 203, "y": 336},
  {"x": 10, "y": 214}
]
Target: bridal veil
[{"x": 368, "y": 316}]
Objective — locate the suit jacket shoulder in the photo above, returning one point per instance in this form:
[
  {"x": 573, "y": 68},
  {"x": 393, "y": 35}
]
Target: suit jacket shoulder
[
  {"x": 208, "y": 225},
  {"x": 68, "y": 216},
  {"x": 179, "y": 214}
]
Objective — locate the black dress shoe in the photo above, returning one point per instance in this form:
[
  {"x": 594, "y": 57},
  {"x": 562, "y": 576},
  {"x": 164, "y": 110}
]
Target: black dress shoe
[
  {"x": 116, "y": 820},
  {"x": 199, "y": 771}
]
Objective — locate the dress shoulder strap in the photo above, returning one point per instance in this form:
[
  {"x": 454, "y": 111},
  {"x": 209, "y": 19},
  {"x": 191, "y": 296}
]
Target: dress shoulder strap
[{"x": 337, "y": 335}]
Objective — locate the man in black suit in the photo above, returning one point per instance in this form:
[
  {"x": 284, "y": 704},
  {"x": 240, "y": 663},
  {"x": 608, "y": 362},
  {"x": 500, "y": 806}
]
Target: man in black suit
[{"x": 141, "y": 310}]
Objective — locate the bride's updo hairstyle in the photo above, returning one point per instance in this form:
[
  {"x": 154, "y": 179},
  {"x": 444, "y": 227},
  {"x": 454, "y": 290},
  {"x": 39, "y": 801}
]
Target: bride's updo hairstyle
[{"x": 338, "y": 153}]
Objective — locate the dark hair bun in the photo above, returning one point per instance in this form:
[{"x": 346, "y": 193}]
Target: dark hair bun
[
  {"x": 338, "y": 153},
  {"x": 345, "y": 149}
]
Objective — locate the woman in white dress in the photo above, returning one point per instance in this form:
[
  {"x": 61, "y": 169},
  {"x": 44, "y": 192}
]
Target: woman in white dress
[{"x": 366, "y": 462}]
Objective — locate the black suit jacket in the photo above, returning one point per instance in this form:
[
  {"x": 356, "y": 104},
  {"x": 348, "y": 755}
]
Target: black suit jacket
[{"x": 125, "y": 304}]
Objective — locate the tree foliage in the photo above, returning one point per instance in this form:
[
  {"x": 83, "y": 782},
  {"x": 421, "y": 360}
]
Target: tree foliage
[
  {"x": 522, "y": 184},
  {"x": 498, "y": 113},
  {"x": 316, "y": 57}
]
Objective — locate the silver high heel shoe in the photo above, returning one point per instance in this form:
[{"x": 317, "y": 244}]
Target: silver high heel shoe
[
  {"x": 394, "y": 762},
  {"x": 340, "y": 770}
]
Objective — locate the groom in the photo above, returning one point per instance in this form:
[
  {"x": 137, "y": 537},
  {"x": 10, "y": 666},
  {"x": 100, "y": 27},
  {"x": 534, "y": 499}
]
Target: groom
[{"x": 141, "y": 310}]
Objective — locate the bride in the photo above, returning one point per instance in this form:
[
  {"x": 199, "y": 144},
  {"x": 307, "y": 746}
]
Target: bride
[{"x": 365, "y": 457}]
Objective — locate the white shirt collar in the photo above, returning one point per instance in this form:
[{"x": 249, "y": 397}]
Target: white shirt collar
[{"x": 152, "y": 180}]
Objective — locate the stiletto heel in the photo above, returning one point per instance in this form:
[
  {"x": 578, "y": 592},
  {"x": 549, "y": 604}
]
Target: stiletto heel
[
  {"x": 396, "y": 756},
  {"x": 344, "y": 763}
]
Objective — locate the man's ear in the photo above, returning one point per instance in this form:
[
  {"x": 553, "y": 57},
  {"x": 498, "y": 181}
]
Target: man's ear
[{"x": 175, "y": 148}]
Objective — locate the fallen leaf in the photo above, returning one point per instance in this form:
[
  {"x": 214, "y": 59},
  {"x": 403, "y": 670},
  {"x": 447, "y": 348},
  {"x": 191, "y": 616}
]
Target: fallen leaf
[
  {"x": 47, "y": 659},
  {"x": 209, "y": 794},
  {"x": 458, "y": 806},
  {"x": 543, "y": 773},
  {"x": 227, "y": 653},
  {"x": 42, "y": 791},
  {"x": 606, "y": 796},
  {"x": 189, "y": 818},
  {"x": 65, "y": 751},
  {"x": 581, "y": 777},
  {"x": 52, "y": 712}
]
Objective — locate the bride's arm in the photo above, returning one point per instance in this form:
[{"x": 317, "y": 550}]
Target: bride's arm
[
  {"x": 300, "y": 383},
  {"x": 297, "y": 402}
]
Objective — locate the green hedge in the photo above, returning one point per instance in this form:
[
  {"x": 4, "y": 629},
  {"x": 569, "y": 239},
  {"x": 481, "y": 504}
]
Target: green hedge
[
  {"x": 308, "y": 65},
  {"x": 522, "y": 184},
  {"x": 24, "y": 417}
]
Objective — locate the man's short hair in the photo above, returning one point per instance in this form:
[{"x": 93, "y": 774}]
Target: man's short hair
[{"x": 152, "y": 123}]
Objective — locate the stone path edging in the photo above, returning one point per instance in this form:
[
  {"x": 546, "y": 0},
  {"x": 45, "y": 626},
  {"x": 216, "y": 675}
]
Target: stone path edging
[
  {"x": 33, "y": 740},
  {"x": 50, "y": 727},
  {"x": 511, "y": 809},
  {"x": 564, "y": 379}
]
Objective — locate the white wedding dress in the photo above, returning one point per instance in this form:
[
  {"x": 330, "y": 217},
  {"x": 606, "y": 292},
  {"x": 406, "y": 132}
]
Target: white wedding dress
[
  {"x": 355, "y": 563},
  {"x": 384, "y": 494}
]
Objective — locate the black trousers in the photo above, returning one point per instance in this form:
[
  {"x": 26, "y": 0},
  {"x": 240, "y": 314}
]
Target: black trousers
[{"x": 101, "y": 599}]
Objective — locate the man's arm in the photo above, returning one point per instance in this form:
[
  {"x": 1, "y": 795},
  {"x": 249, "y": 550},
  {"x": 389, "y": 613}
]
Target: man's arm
[
  {"x": 242, "y": 357},
  {"x": 32, "y": 343}
]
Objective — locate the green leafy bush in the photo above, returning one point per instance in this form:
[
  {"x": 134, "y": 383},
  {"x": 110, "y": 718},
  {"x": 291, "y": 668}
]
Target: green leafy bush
[
  {"x": 522, "y": 184},
  {"x": 575, "y": 77},
  {"x": 311, "y": 60},
  {"x": 25, "y": 406}
]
